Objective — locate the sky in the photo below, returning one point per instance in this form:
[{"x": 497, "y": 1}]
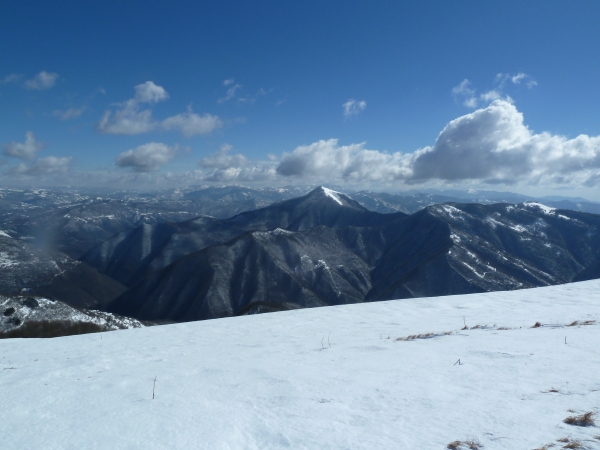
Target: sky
[{"x": 379, "y": 95}]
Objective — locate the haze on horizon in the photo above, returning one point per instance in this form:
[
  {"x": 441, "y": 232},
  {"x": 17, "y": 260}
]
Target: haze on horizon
[{"x": 386, "y": 96}]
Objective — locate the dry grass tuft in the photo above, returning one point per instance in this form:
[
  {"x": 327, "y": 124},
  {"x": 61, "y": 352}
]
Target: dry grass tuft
[
  {"x": 471, "y": 444},
  {"x": 545, "y": 447},
  {"x": 573, "y": 444},
  {"x": 578, "y": 323},
  {"x": 583, "y": 420},
  {"x": 551, "y": 390},
  {"x": 412, "y": 337},
  {"x": 536, "y": 325},
  {"x": 563, "y": 440}
]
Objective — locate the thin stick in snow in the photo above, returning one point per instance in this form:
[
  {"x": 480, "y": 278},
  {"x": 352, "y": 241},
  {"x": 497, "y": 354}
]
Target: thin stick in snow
[
  {"x": 458, "y": 362},
  {"x": 328, "y": 340},
  {"x": 154, "y": 386}
]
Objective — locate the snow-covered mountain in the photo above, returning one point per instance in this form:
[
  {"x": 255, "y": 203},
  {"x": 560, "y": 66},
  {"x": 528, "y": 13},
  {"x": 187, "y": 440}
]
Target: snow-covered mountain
[{"x": 500, "y": 370}]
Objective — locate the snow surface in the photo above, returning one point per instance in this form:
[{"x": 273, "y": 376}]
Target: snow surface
[
  {"x": 333, "y": 194},
  {"x": 323, "y": 378},
  {"x": 545, "y": 209}
]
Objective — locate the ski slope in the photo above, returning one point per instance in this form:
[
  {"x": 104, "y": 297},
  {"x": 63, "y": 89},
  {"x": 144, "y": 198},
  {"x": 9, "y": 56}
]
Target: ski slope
[{"x": 323, "y": 378}]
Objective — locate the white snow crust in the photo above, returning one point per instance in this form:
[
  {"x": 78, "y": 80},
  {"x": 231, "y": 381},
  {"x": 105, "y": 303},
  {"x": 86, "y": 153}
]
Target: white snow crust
[
  {"x": 322, "y": 378},
  {"x": 333, "y": 194},
  {"x": 545, "y": 209}
]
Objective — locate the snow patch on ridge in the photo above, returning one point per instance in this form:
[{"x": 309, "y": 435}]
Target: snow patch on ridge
[
  {"x": 545, "y": 209},
  {"x": 332, "y": 194}
]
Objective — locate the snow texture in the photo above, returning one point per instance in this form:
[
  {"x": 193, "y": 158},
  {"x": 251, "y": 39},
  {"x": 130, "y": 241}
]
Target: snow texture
[
  {"x": 333, "y": 194},
  {"x": 322, "y": 378},
  {"x": 52, "y": 310},
  {"x": 545, "y": 209}
]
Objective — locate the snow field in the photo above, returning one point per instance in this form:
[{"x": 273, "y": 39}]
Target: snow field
[{"x": 272, "y": 381}]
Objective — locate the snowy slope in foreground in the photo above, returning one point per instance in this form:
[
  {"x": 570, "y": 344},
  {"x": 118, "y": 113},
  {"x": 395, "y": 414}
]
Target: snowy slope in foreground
[{"x": 262, "y": 382}]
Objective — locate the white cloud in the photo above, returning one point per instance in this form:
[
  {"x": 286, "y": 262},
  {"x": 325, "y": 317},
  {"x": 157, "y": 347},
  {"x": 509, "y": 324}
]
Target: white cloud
[
  {"x": 228, "y": 82},
  {"x": 491, "y": 145},
  {"x": 51, "y": 165},
  {"x": 470, "y": 99},
  {"x": 12, "y": 78},
  {"x": 147, "y": 158},
  {"x": 230, "y": 92},
  {"x": 130, "y": 119},
  {"x": 43, "y": 80},
  {"x": 490, "y": 96},
  {"x": 26, "y": 151},
  {"x": 221, "y": 160},
  {"x": 256, "y": 173},
  {"x": 149, "y": 92},
  {"x": 70, "y": 113},
  {"x": 528, "y": 80},
  {"x": 127, "y": 120},
  {"x": 353, "y": 107},
  {"x": 190, "y": 123}
]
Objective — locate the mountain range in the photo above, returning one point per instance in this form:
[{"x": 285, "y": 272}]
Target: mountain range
[
  {"x": 325, "y": 249},
  {"x": 160, "y": 257}
]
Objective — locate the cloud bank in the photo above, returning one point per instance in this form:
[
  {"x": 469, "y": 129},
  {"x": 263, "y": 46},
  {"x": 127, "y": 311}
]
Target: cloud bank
[{"x": 491, "y": 145}]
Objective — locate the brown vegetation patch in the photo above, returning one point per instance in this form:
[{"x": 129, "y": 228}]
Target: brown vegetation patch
[
  {"x": 413, "y": 337},
  {"x": 583, "y": 420}
]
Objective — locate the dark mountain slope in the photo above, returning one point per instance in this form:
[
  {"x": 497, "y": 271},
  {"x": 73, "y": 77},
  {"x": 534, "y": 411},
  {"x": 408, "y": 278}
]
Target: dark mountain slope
[
  {"x": 444, "y": 249},
  {"x": 130, "y": 256},
  {"x": 28, "y": 269}
]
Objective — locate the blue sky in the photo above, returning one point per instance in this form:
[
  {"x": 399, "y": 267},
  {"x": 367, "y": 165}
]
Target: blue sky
[{"x": 364, "y": 94}]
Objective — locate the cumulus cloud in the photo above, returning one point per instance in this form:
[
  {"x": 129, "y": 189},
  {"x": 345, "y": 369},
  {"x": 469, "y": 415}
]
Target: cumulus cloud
[
  {"x": 353, "y": 107},
  {"x": 149, "y": 92},
  {"x": 228, "y": 82},
  {"x": 221, "y": 160},
  {"x": 147, "y": 158},
  {"x": 26, "y": 151},
  {"x": 190, "y": 123},
  {"x": 70, "y": 113},
  {"x": 43, "y": 80},
  {"x": 491, "y": 145},
  {"x": 129, "y": 119},
  {"x": 51, "y": 165}
]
